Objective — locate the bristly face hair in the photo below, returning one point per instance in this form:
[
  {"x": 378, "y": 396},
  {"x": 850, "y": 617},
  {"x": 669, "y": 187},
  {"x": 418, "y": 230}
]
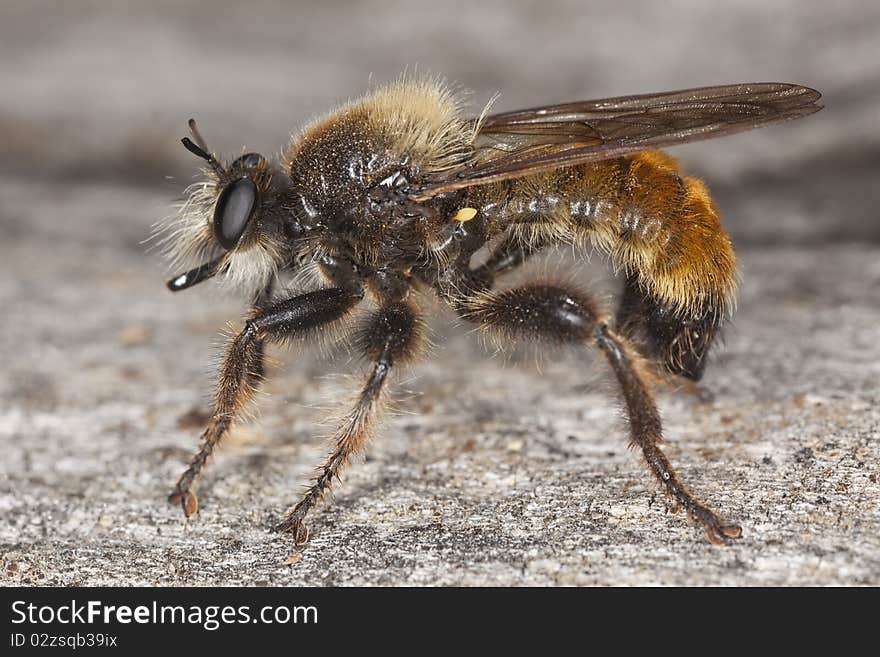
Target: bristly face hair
[{"x": 398, "y": 194}]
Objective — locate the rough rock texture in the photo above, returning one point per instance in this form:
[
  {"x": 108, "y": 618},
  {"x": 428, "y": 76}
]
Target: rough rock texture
[{"x": 491, "y": 472}]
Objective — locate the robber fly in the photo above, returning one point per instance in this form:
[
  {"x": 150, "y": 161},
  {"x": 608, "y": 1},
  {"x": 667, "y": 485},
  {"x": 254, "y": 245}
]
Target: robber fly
[{"x": 391, "y": 196}]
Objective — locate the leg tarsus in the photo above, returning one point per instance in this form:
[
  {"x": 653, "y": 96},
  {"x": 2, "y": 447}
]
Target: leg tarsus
[
  {"x": 187, "y": 499},
  {"x": 646, "y": 431},
  {"x": 387, "y": 338},
  {"x": 294, "y": 523},
  {"x": 350, "y": 439}
]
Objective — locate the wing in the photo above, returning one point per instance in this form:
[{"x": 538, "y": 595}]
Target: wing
[{"x": 520, "y": 143}]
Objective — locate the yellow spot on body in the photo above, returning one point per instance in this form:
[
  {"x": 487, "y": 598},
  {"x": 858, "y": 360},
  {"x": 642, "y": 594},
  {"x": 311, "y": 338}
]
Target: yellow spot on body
[{"x": 465, "y": 214}]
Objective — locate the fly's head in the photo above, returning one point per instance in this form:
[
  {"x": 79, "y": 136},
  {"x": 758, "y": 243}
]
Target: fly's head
[{"x": 233, "y": 223}]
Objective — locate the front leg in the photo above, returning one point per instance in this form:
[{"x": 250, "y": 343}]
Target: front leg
[{"x": 242, "y": 369}]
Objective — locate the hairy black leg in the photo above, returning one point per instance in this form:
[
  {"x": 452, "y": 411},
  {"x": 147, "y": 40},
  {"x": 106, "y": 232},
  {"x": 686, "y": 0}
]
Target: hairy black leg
[
  {"x": 261, "y": 300},
  {"x": 647, "y": 431},
  {"x": 388, "y": 337},
  {"x": 242, "y": 368},
  {"x": 511, "y": 253},
  {"x": 559, "y": 315},
  {"x": 680, "y": 342}
]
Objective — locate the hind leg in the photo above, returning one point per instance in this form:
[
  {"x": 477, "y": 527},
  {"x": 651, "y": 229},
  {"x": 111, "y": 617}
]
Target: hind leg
[{"x": 561, "y": 315}]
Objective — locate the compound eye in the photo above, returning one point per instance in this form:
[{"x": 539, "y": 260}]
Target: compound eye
[
  {"x": 233, "y": 211},
  {"x": 249, "y": 161}
]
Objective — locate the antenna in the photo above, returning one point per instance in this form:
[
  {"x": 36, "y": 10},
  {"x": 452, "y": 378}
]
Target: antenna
[{"x": 200, "y": 149}]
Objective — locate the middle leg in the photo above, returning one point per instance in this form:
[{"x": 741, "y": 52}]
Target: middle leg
[
  {"x": 388, "y": 338},
  {"x": 561, "y": 316}
]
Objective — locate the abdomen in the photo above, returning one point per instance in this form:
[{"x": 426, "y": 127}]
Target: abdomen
[{"x": 659, "y": 227}]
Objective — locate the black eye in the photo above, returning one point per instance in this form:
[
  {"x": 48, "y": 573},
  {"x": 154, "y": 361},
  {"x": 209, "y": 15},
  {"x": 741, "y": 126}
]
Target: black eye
[
  {"x": 248, "y": 161},
  {"x": 234, "y": 208}
]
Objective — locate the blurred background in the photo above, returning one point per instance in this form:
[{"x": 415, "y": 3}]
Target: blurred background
[
  {"x": 101, "y": 365},
  {"x": 99, "y": 91}
]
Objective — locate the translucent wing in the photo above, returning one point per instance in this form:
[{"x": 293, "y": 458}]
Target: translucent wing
[{"x": 516, "y": 144}]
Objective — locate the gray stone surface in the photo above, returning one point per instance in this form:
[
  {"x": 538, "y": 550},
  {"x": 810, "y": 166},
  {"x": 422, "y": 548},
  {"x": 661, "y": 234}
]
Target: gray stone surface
[{"x": 491, "y": 472}]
